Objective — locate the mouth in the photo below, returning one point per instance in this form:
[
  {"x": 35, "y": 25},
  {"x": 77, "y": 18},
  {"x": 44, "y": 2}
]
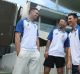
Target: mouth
[{"x": 69, "y": 22}]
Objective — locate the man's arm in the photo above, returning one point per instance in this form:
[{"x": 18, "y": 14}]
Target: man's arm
[
  {"x": 47, "y": 48},
  {"x": 68, "y": 58},
  {"x": 50, "y": 37},
  {"x": 79, "y": 49},
  {"x": 47, "y": 45},
  {"x": 17, "y": 42},
  {"x": 37, "y": 43},
  {"x": 68, "y": 53}
]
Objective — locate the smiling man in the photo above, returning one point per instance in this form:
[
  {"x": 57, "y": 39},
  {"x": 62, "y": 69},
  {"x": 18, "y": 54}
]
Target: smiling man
[{"x": 74, "y": 37}]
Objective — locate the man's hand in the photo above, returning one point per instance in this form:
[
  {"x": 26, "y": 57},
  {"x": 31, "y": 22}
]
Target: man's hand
[
  {"x": 46, "y": 54},
  {"x": 69, "y": 65},
  {"x": 18, "y": 50}
]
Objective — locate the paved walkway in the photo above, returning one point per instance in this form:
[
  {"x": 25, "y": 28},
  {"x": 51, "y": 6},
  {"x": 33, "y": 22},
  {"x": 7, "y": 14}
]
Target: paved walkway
[{"x": 8, "y": 61}]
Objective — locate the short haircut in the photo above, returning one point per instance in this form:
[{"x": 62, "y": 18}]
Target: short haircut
[
  {"x": 73, "y": 14},
  {"x": 33, "y": 8},
  {"x": 62, "y": 19}
]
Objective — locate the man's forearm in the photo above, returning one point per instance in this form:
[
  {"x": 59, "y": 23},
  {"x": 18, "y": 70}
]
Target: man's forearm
[
  {"x": 48, "y": 45},
  {"x": 37, "y": 43},
  {"x": 17, "y": 43},
  {"x": 68, "y": 59},
  {"x": 68, "y": 55},
  {"x": 17, "y": 47}
]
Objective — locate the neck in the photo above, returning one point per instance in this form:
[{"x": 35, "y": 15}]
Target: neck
[
  {"x": 30, "y": 18},
  {"x": 62, "y": 28},
  {"x": 73, "y": 27}
]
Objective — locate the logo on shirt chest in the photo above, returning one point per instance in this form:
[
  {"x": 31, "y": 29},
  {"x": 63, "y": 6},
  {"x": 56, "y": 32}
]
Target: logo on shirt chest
[
  {"x": 59, "y": 35},
  {"x": 56, "y": 33},
  {"x": 26, "y": 24}
]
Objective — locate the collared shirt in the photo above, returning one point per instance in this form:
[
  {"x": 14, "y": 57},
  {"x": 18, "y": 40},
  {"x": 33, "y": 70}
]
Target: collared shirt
[
  {"x": 75, "y": 45},
  {"x": 29, "y": 34},
  {"x": 59, "y": 40}
]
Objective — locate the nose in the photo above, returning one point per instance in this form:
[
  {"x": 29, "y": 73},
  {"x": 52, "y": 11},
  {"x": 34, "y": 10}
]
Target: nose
[
  {"x": 36, "y": 15},
  {"x": 69, "y": 20}
]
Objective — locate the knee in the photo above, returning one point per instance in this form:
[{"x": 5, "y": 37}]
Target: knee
[
  {"x": 46, "y": 70},
  {"x": 60, "y": 71}
]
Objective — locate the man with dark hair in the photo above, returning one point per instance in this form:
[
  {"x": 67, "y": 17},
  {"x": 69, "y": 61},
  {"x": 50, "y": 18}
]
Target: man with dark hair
[
  {"x": 27, "y": 44},
  {"x": 57, "y": 45},
  {"x": 74, "y": 37},
  {"x": 74, "y": 15},
  {"x": 33, "y": 8}
]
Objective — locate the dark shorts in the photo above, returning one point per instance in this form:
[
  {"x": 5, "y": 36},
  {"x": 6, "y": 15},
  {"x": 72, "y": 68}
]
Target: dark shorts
[
  {"x": 53, "y": 60},
  {"x": 75, "y": 69}
]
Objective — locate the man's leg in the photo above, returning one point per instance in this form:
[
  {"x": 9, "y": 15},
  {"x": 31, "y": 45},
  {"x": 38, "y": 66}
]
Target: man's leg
[
  {"x": 21, "y": 61},
  {"x": 48, "y": 64},
  {"x": 60, "y": 70},
  {"x": 46, "y": 70},
  {"x": 34, "y": 64},
  {"x": 60, "y": 63}
]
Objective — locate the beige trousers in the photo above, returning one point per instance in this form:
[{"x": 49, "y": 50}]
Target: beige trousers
[{"x": 28, "y": 59}]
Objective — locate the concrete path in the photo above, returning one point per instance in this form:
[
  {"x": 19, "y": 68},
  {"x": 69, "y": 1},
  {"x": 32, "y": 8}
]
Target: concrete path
[{"x": 8, "y": 61}]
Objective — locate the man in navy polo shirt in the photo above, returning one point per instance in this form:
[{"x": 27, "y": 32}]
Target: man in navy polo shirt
[
  {"x": 56, "y": 47},
  {"x": 27, "y": 44},
  {"x": 74, "y": 37}
]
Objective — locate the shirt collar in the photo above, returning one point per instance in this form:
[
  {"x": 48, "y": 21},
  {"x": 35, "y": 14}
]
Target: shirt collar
[
  {"x": 60, "y": 29},
  {"x": 75, "y": 28},
  {"x": 28, "y": 20}
]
